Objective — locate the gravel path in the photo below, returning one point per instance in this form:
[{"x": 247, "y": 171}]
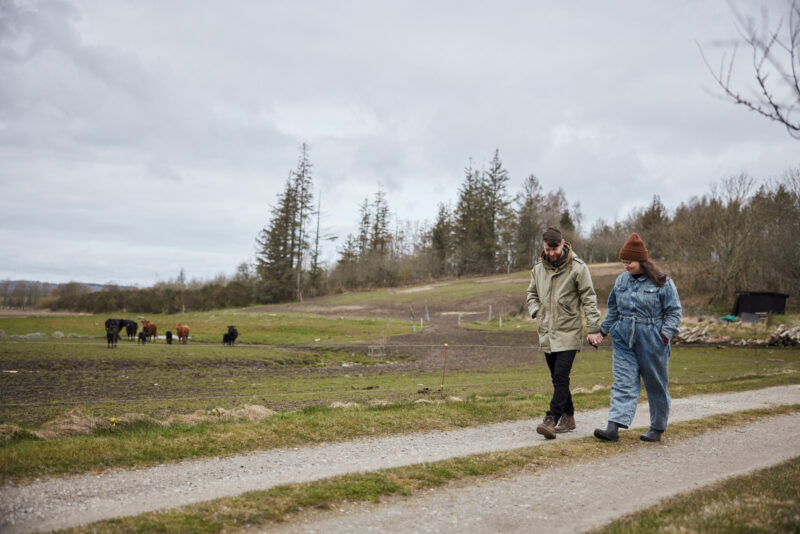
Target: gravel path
[
  {"x": 63, "y": 502},
  {"x": 572, "y": 498}
]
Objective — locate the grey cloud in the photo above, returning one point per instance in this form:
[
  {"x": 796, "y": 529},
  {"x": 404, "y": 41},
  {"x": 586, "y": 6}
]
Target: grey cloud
[
  {"x": 176, "y": 124},
  {"x": 163, "y": 170}
]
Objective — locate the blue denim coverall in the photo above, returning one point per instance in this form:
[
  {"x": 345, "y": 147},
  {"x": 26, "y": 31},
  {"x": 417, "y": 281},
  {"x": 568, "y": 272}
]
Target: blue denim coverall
[{"x": 638, "y": 312}]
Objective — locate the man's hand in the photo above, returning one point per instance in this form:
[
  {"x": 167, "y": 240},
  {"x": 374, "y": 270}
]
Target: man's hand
[{"x": 595, "y": 339}]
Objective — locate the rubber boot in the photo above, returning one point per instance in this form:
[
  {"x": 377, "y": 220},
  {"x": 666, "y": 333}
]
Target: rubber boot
[
  {"x": 611, "y": 433},
  {"x": 651, "y": 435}
]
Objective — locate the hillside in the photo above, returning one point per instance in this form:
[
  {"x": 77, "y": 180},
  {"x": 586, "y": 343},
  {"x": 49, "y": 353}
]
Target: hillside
[{"x": 469, "y": 297}]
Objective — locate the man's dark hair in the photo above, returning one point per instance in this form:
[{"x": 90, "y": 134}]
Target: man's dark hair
[{"x": 552, "y": 236}]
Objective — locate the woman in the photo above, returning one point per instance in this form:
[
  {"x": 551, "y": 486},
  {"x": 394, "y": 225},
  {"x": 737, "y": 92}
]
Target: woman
[{"x": 643, "y": 314}]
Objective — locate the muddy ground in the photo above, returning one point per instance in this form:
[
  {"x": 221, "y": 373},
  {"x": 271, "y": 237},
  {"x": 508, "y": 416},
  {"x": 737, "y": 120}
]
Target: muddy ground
[{"x": 467, "y": 349}]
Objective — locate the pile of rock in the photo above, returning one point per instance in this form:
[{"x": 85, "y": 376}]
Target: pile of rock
[
  {"x": 34, "y": 335},
  {"x": 784, "y": 337}
]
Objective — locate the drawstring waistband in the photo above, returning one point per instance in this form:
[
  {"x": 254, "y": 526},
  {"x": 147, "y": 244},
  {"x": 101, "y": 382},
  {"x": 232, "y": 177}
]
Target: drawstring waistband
[{"x": 636, "y": 319}]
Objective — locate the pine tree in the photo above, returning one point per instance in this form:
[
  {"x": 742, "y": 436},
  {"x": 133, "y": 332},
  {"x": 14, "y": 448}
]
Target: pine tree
[
  {"x": 363, "y": 240},
  {"x": 346, "y": 271},
  {"x": 441, "y": 241},
  {"x": 281, "y": 244},
  {"x": 472, "y": 224},
  {"x": 497, "y": 245},
  {"x": 496, "y": 180},
  {"x": 274, "y": 259},
  {"x": 565, "y": 222},
  {"x": 305, "y": 198},
  {"x": 379, "y": 233},
  {"x": 529, "y": 223},
  {"x": 653, "y": 224},
  {"x": 482, "y": 233}
]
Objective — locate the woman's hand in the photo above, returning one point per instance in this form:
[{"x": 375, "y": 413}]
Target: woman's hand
[{"x": 595, "y": 339}]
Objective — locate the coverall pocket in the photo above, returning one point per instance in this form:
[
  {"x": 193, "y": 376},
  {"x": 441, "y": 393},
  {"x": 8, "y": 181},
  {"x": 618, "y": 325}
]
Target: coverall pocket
[
  {"x": 616, "y": 335},
  {"x": 659, "y": 344}
]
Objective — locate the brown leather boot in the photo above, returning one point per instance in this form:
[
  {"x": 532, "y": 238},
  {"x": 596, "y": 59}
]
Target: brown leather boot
[
  {"x": 565, "y": 424},
  {"x": 547, "y": 428}
]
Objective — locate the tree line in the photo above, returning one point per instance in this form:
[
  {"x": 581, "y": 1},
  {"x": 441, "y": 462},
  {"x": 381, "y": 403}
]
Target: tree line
[
  {"x": 23, "y": 294},
  {"x": 740, "y": 235}
]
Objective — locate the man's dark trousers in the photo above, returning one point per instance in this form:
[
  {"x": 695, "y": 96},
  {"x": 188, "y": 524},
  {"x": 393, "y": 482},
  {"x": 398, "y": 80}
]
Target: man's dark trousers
[{"x": 560, "y": 364}]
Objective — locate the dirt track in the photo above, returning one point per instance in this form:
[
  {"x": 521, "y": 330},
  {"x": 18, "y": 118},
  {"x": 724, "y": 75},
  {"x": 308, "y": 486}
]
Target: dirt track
[{"x": 63, "y": 502}]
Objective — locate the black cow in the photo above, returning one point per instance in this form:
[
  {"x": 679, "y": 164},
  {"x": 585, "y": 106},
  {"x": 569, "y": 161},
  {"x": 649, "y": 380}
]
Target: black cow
[
  {"x": 116, "y": 324},
  {"x": 169, "y": 337},
  {"x": 229, "y": 338},
  {"x": 112, "y": 335},
  {"x": 130, "y": 328},
  {"x": 142, "y": 338}
]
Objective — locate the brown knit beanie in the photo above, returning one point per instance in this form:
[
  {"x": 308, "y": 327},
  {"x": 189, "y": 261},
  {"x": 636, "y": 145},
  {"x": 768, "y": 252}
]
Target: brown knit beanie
[{"x": 633, "y": 249}]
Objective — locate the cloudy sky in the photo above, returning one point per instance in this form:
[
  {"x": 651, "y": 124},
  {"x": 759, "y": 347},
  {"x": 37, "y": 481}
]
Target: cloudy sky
[{"x": 141, "y": 137}]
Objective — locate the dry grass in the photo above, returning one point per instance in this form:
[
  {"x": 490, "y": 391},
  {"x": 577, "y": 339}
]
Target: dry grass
[
  {"x": 765, "y": 501},
  {"x": 596, "y": 387},
  {"x": 77, "y": 423}
]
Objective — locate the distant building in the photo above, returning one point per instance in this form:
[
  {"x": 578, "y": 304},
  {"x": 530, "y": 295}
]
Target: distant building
[{"x": 755, "y": 302}]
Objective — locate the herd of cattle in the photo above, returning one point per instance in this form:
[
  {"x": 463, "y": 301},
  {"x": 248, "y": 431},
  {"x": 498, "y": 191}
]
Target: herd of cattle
[{"x": 150, "y": 332}]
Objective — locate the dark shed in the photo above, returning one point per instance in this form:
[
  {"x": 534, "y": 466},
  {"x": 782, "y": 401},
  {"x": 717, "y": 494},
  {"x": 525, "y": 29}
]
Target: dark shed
[{"x": 759, "y": 302}]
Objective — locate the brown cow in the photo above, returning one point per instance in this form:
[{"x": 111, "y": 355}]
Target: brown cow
[
  {"x": 150, "y": 330},
  {"x": 183, "y": 333}
]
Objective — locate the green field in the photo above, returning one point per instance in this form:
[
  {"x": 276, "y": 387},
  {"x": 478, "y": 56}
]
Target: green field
[
  {"x": 324, "y": 370},
  {"x": 42, "y": 379},
  {"x": 139, "y": 405},
  {"x": 255, "y": 327}
]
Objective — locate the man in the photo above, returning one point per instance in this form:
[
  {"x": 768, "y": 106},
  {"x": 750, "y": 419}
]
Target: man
[{"x": 560, "y": 285}]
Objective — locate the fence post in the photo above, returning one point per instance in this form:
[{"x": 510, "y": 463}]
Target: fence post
[{"x": 444, "y": 366}]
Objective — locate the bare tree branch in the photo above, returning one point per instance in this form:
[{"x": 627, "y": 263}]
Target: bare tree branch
[{"x": 778, "y": 86}]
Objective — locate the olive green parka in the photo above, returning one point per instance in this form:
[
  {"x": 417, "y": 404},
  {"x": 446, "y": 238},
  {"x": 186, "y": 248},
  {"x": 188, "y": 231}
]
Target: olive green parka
[{"x": 555, "y": 296}]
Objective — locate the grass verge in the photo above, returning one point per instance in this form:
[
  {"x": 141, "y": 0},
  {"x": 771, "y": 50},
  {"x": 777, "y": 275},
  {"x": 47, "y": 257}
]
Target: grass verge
[
  {"x": 142, "y": 444},
  {"x": 765, "y": 501},
  {"x": 281, "y": 503}
]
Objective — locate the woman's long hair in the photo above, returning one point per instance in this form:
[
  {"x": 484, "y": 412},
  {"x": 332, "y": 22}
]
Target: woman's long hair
[{"x": 654, "y": 273}]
